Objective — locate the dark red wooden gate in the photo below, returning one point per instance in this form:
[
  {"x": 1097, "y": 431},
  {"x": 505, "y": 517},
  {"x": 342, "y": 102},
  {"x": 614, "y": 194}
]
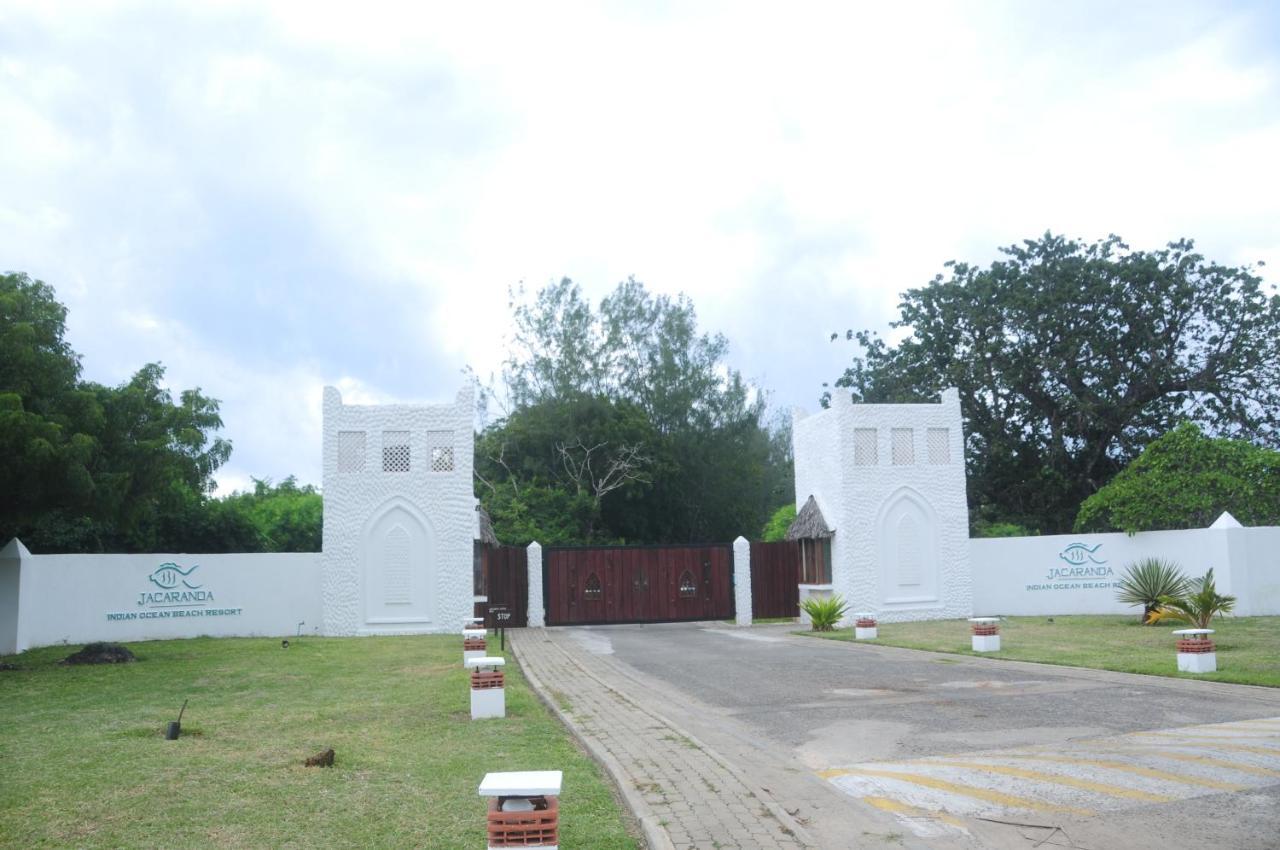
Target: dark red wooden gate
[
  {"x": 638, "y": 584},
  {"x": 504, "y": 579},
  {"x": 775, "y": 579}
]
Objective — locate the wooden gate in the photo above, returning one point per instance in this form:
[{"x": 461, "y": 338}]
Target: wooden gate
[
  {"x": 775, "y": 579},
  {"x": 503, "y": 576},
  {"x": 638, "y": 584}
]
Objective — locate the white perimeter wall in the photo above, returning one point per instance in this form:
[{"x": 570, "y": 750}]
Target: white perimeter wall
[
  {"x": 76, "y": 599},
  {"x": 1040, "y": 575}
]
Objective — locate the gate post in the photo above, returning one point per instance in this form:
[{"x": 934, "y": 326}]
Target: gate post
[
  {"x": 742, "y": 580},
  {"x": 537, "y": 614}
]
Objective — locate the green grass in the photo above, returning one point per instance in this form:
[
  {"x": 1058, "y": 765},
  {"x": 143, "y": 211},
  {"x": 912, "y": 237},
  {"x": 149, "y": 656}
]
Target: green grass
[
  {"x": 766, "y": 621},
  {"x": 84, "y": 762},
  {"x": 1248, "y": 647}
]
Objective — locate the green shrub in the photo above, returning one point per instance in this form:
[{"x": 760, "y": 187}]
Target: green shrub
[
  {"x": 775, "y": 529},
  {"x": 1148, "y": 581},
  {"x": 1196, "y": 606},
  {"x": 825, "y": 612}
]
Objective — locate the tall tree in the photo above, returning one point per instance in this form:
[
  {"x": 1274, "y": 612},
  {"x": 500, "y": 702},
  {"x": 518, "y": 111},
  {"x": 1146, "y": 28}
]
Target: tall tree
[
  {"x": 1071, "y": 357},
  {"x": 636, "y": 388}
]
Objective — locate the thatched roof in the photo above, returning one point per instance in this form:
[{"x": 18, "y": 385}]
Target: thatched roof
[
  {"x": 809, "y": 523},
  {"x": 485, "y": 534}
]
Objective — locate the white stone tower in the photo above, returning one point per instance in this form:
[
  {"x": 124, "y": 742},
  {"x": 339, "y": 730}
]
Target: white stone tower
[
  {"x": 889, "y": 481},
  {"x": 399, "y": 516}
]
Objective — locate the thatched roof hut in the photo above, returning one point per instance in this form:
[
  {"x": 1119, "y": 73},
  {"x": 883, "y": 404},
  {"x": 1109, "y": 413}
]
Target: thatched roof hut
[
  {"x": 809, "y": 523},
  {"x": 485, "y": 533}
]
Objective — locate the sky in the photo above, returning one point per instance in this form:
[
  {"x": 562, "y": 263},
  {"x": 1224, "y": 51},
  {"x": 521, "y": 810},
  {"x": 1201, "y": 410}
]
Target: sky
[{"x": 269, "y": 198}]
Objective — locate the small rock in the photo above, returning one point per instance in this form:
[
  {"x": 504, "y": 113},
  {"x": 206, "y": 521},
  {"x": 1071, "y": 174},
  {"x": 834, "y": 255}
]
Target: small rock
[
  {"x": 100, "y": 653},
  {"x": 324, "y": 759}
]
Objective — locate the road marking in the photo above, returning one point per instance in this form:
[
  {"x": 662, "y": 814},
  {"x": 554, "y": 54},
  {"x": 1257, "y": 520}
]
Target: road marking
[
  {"x": 1131, "y": 768},
  {"x": 911, "y": 815},
  {"x": 1139, "y": 749},
  {"x": 1214, "y": 745},
  {"x": 985, "y": 794},
  {"x": 1059, "y": 779}
]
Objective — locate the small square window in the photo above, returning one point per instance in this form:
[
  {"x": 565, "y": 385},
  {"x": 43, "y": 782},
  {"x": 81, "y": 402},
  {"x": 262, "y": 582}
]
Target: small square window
[
  {"x": 904, "y": 452},
  {"x": 351, "y": 451},
  {"x": 395, "y": 451},
  {"x": 440, "y": 444},
  {"x": 864, "y": 447}
]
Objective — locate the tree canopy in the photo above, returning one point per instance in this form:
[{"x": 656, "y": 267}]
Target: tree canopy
[
  {"x": 625, "y": 424},
  {"x": 91, "y": 468},
  {"x": 1071, "y": 357},
  {"x": 1186, "y": 479}
]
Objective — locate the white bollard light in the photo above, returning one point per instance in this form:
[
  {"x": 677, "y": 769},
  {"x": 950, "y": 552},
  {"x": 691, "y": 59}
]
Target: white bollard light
[
  {"x": 1196, "y": 651},
  {"x": 865, "y": 626},
  {"x": 524, "y": 808},
  {"x": 986, "y": 634},
  {"x": 488, "y": 688},
  {"x": 473, "y": 644}
]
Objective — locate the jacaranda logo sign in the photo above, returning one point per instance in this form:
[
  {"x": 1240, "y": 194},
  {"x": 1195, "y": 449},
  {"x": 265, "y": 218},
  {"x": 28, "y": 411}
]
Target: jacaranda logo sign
[
  {"x": 178, "y": 588},
  {"x": 1083, "y": 561},
  {"x": 181, "y": 593}
]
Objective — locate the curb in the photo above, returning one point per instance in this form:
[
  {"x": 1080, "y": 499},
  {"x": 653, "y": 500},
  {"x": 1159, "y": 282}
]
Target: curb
[{"x": 655, "y": 837}]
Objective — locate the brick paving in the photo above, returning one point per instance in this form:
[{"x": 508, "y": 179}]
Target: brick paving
[{"x": 674, "y": 782}]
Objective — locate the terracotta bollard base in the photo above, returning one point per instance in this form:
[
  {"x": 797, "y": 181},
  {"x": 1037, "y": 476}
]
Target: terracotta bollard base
[
  {"x": 865, "y": 628},
  {"x": 528, "y": 822}
]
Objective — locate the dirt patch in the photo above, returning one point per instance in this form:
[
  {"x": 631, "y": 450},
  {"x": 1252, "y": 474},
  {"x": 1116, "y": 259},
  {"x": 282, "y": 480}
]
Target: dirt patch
[{"x": 101, "y": 653}]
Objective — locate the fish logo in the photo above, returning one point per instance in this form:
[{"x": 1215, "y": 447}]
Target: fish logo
[
  {"x": 169, "y": 574},
  {"x": 1077, "y": 554}
]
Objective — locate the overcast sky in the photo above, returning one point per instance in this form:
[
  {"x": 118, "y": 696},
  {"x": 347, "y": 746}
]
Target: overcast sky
[{"x": 268, "y": 199}]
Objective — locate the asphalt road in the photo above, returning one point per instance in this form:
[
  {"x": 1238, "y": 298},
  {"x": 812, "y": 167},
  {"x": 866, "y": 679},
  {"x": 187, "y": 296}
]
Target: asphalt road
[{"x": 951, "y": 744}]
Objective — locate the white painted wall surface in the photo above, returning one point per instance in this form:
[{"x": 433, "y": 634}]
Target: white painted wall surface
[
  {"x": 742, "y": 581},
  {"x": 1076, "y": 574},
  {"x": 76, "y": 599},
  {"x": 901, "y": 520},
  {"x": 397, "y": 544}
]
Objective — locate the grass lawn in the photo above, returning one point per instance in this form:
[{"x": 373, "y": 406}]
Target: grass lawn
[
  {"x": 83, "y": 761},
  {"x": 1248, "y": 647}
]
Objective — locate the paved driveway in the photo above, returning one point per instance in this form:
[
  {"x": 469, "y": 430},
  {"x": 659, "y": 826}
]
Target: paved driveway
[{"x": 981, "y": 752}]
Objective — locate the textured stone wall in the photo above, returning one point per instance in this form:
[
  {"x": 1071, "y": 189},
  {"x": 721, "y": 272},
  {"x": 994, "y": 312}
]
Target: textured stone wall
[
  {"x": 397, "y": 544},
  {"x": 889, "y": 479},
  {"x": 537, "y": 611}
]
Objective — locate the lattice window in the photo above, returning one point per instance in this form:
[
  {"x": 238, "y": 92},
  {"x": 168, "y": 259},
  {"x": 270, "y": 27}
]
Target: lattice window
[
  {"x": 688, "y": 585},
  {"x": 440, "y": 444},
  {"x": 904, "y": 453},
  {"x": 939, "y": 440},
  {"x": 396, "y": 578},
  {"x": 395, "y": 451},
  {"x": 351, "y": 451},
  {"x": 592, "y": 590},
  {"x": 864, "y": 447}
]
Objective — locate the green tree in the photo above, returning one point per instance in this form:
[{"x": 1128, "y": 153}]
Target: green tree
[
  {"x": 776, "y": 528},
  {"x": 287, "y": 517},
  {"x": 634, "y": 379},
  {"x": 1071, "y": 357},
  {"x": 85, "y": 467},
  {"x": 1186, "y": 479}
]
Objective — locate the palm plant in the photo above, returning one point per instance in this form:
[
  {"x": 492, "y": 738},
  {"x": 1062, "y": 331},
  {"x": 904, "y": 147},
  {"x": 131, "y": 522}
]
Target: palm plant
[
  {"x": 1148, "y": 581},
  {"x": 1197, "y": 605},
  {"x": 825, "y": 612}
]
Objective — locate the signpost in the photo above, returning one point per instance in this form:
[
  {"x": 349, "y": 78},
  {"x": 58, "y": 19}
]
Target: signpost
[{"x": 499, "y": 616}]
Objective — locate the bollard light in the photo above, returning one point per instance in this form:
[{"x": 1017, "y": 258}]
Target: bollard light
[
  {"x": 488, "y": 687},
  {"x": 473, "y": 644},
  {"x": 1196, "y": 651},
  {"x": 986, "y": 634},
  {"x": 865, "y": 626},
  {"x": 524, "y": 808}
]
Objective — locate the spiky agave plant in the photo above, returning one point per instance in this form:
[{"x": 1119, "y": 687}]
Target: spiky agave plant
[
  {"x": 825, "y": 612},
  {"x": 1148, "y": 581},
  {"x": 1197, "y": 605}
]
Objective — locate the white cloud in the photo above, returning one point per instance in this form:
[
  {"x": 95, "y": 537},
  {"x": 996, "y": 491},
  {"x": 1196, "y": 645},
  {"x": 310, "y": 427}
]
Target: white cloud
[{"x": 268, "y": 198}]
